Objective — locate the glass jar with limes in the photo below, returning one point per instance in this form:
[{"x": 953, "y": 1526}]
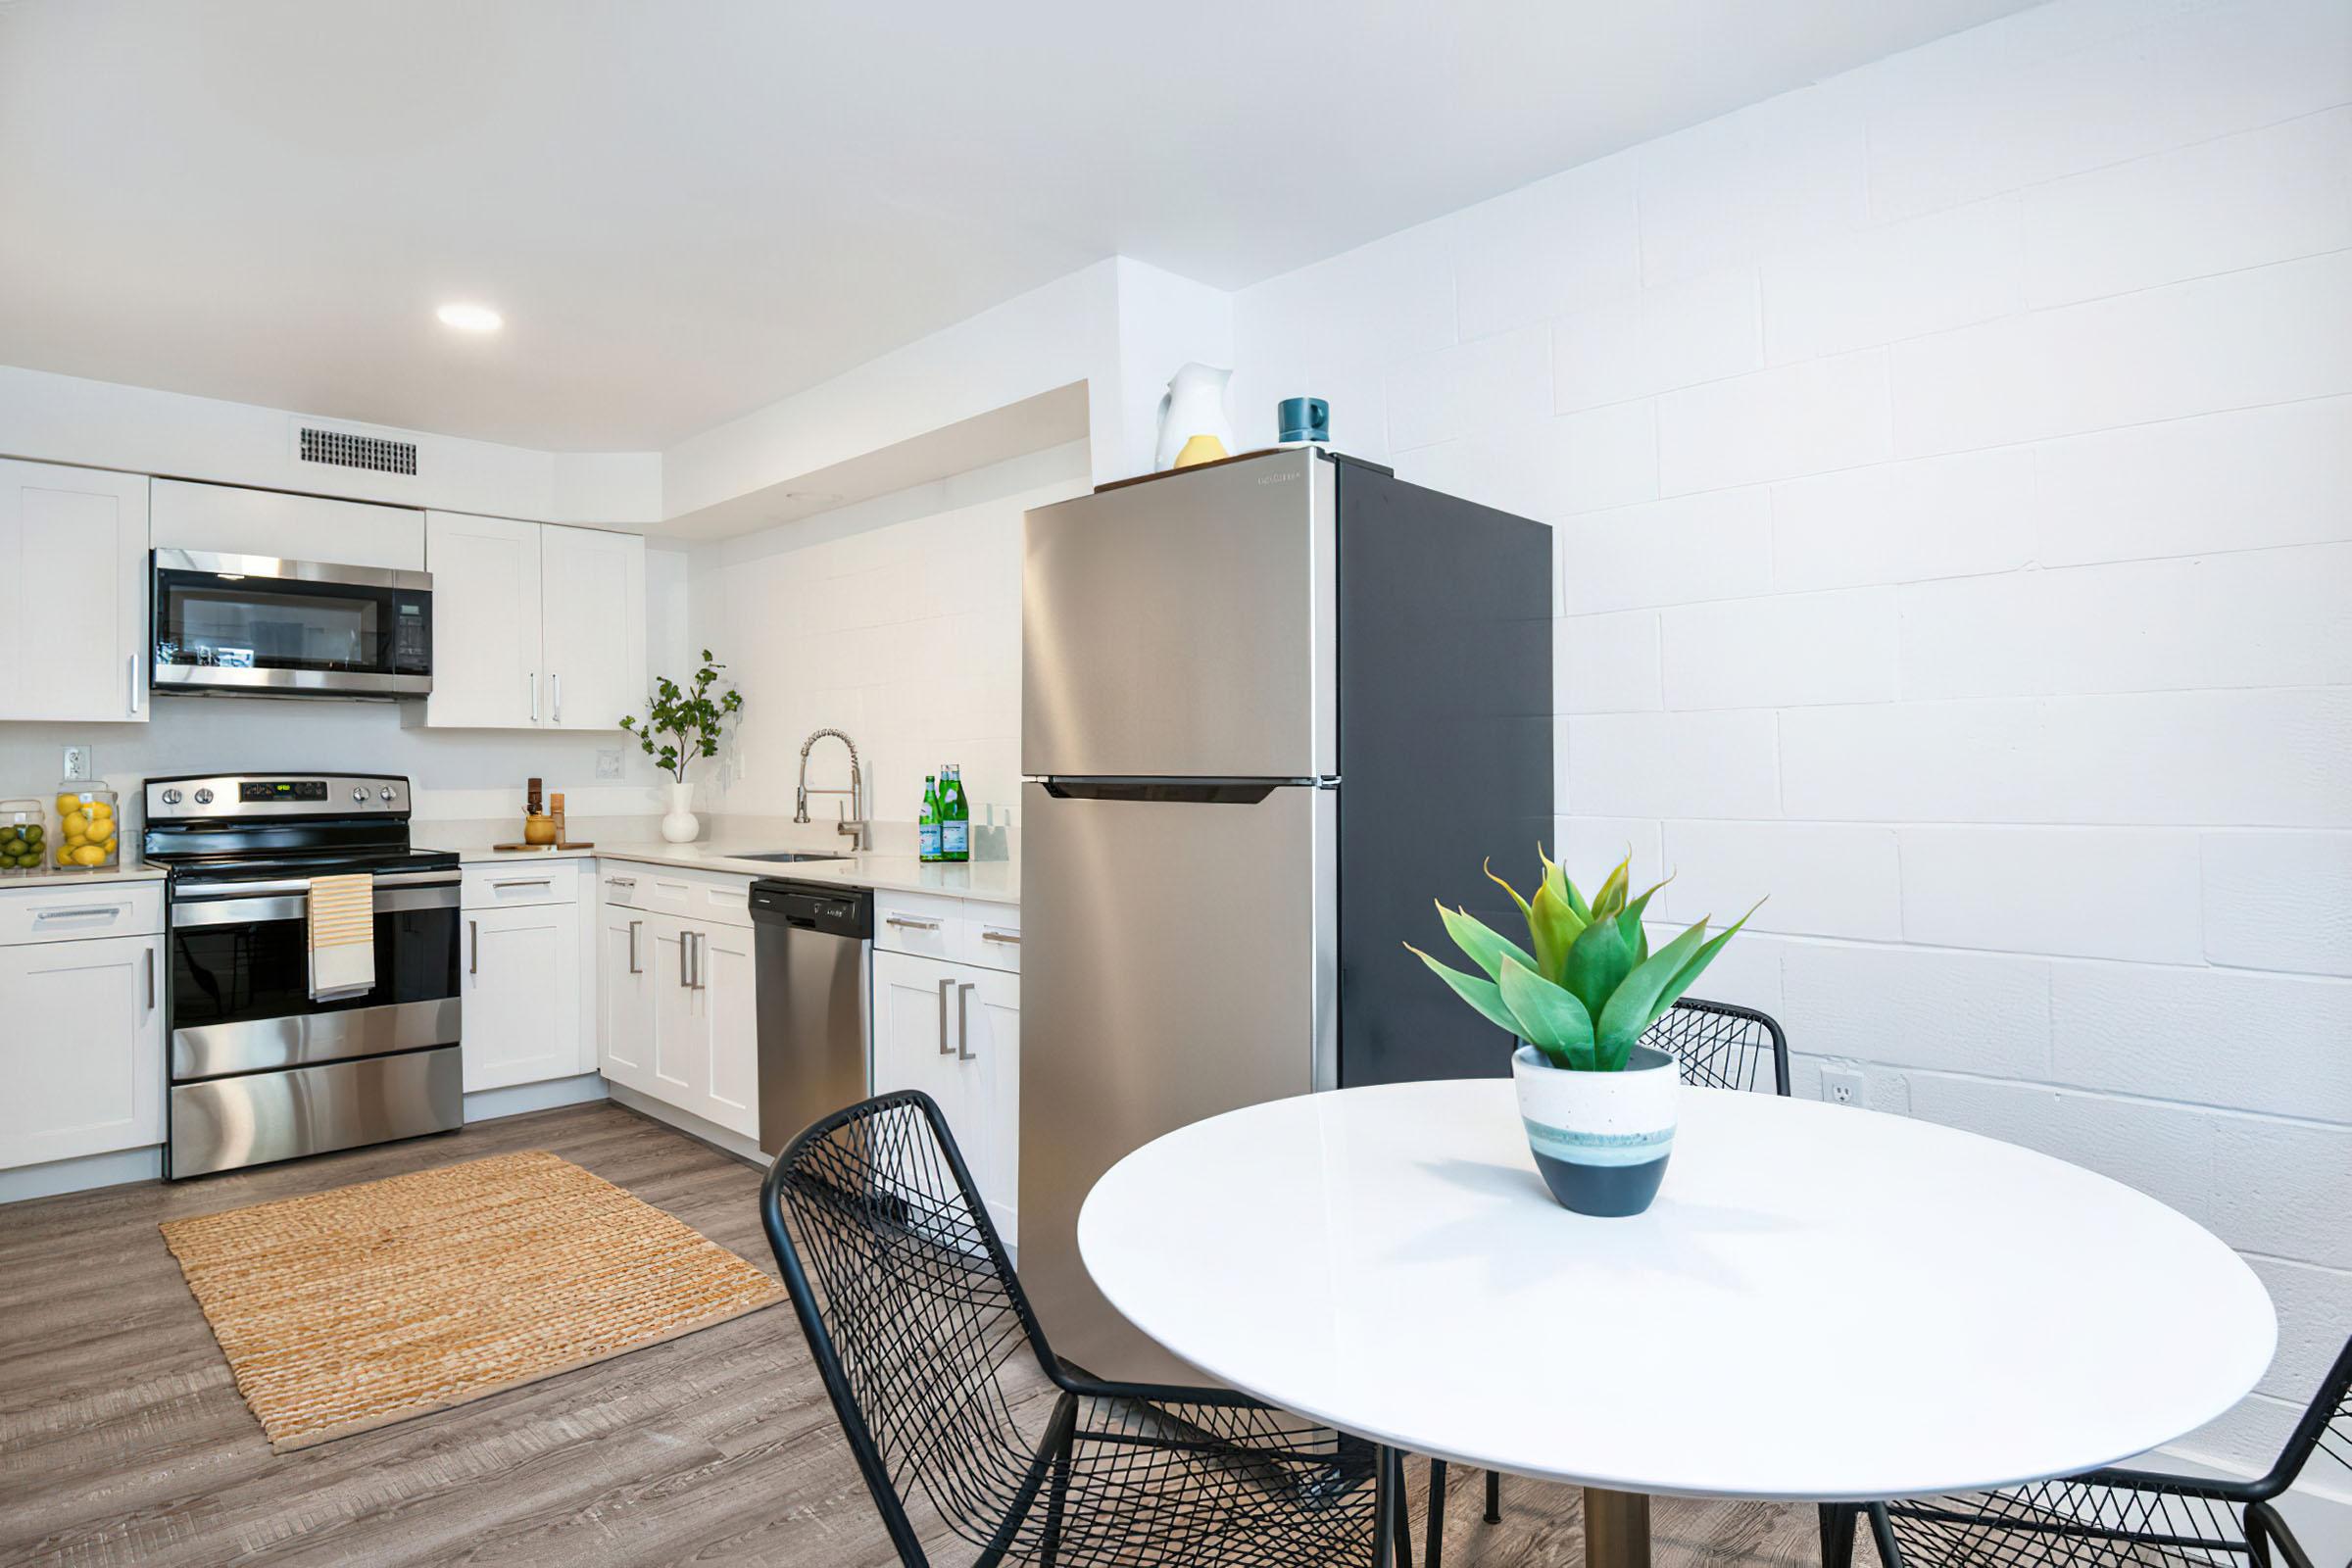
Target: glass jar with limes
[
  {"x": 24, "y": 837},
  {"x": 85, "y": 838}
]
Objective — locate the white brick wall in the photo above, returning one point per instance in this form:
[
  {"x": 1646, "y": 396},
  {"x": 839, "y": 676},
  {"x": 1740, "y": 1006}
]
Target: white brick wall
[{"x": 1952, "y": 471}]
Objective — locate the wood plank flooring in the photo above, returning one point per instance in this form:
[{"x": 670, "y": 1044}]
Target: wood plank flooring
[{"x": 123, "y": 1440}]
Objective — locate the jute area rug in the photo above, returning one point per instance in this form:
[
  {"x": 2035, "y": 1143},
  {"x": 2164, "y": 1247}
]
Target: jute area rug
[{"x": 385, "y": 1300}]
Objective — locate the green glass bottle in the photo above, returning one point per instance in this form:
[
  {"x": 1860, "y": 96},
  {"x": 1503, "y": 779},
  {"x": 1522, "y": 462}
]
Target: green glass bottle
[
  {"x": 926, "y": 826},
  {"x": 955, "y": 818}
]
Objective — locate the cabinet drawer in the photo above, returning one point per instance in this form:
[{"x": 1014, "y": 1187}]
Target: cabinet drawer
[
  {"x": 709, "y": 898},
  {"x": 918, "y": 924},
  {"x": 497, "y": 887},
  {"x": 988, "y": 935},
  {"x": 79, "y": 910}
]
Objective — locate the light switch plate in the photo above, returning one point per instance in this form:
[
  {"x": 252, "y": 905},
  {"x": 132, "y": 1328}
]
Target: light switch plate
[{"x": 76, "y": 767}]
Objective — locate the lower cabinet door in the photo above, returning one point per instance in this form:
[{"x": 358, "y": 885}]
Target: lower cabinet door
[
  {"x": 915, "y": 1039},
  {"x": 681, "y": 1062},
  {"x": 521, "y": 1020},
  {"x": 988, "y": 1046},
  {"x": 624, "y": 976},
  {"x": 81, "y": 1049},
  {"x": 722, "y": 969}
]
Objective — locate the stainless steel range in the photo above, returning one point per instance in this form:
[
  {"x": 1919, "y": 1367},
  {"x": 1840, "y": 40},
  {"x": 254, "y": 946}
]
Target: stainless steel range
[{"x": 261, "y": 1070}]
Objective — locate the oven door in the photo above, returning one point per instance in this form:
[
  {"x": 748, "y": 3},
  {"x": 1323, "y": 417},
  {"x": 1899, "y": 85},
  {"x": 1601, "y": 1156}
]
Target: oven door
[
  {"x": 240, "y": 998},
  {"x": 262, "y": 627}
]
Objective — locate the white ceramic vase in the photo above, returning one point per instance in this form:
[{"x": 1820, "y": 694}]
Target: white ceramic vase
[
  {"x": 680, "y": 825},
  {"x": 1192, "y": 405},
  {"x": 1600, "y": 1139}
]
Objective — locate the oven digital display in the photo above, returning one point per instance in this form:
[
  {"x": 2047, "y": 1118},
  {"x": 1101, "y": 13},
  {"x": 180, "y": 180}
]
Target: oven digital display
[{"x": 297, "y": 789}]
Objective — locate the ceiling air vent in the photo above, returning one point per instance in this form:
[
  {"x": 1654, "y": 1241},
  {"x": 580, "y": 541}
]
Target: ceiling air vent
[{"x": 344, "y": 449}]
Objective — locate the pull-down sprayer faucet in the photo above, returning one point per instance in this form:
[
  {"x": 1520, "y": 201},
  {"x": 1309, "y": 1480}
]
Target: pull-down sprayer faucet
[{"x": 852, "y": 822}]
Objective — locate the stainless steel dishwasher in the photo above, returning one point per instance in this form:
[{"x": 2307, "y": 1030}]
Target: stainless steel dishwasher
[{"x": 811, "y": 953}]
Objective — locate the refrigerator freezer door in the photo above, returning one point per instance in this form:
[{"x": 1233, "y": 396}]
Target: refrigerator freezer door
[
  {"x": 1180, "y": 963},
  {"x": 1183, "y": 627}
]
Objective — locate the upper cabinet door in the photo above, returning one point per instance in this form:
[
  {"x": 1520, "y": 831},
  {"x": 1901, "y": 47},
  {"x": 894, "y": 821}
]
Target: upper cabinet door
[
  {"x": 1183, "y": 627},
  {"x": 594, "y": 611},
  {"x": 487, "y": 670},
  {"x": 72, "y": 592}
]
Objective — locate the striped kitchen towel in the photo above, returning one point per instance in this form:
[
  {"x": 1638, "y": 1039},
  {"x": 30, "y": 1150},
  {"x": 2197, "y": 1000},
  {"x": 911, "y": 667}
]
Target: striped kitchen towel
[{"x": 342, "y": 936}]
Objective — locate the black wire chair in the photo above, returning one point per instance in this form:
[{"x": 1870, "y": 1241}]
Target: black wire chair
[
  {"x": 922, "y": 1334},
  {"x": 1719, "y": 1046},
  {"x": 2117, "y": 1518}
]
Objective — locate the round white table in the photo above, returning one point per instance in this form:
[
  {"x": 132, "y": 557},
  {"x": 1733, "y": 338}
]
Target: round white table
[{"x": 1823, "y": 1303}]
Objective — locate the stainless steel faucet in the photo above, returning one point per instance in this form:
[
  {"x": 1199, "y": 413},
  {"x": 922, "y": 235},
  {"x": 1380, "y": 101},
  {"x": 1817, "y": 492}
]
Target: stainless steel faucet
[{"x": 852, "y": 822}]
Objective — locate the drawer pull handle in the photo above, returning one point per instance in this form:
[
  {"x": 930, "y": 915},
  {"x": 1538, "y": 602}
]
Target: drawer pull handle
[
  {"x": 527, "y": 882},
  {"x": 1010, "y": 938},
  {"x": 620, "y": 881},
  {"x": 907, "y": 923},
  {"x": 87, "y": 911}
]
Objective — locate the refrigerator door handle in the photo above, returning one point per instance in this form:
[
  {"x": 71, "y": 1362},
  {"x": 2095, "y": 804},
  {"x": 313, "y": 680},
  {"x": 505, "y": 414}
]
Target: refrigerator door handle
[{"x": 1170, "y": 791}]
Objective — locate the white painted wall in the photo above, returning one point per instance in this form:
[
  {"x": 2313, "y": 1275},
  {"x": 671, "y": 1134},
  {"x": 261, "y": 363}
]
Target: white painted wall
[
  {"x": 1952, "y": 464},
  {"x": 897, "y": 619}
]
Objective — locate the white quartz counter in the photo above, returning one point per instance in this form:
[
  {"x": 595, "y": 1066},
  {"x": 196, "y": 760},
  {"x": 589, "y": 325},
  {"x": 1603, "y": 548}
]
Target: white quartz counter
[
  {"x": 135, "y": 872},
  {"x": 995, "y": 881}
]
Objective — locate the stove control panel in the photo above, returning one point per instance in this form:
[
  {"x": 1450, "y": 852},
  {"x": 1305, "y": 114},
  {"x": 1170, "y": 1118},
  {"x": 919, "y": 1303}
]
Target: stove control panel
[{"x": 235, "y": 796}]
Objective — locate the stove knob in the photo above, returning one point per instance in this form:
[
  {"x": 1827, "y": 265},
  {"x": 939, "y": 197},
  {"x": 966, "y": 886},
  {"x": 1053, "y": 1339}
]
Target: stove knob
[
  {"x": 360, "y": 793},
  {"x": 388, "y": 794},
  {"x": 204, "y": 797},
  {"x": 170, "y": 797}
]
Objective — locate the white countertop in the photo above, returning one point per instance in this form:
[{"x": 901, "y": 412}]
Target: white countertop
[
  {"x": 1823, "y": 1302},
  {"x": 135, "y": 872},
  {"x": 995, "y": 881}
]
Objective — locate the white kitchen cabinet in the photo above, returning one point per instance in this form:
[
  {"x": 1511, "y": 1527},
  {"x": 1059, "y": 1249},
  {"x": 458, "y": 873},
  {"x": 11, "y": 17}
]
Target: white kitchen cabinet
[
  {"x": 952, "y": 1030},
  {"x": 521, "y": 991},
  {"x": 706, "y": 1058},
  {"x": 82, "y": 1048},
  {"x": 72, "y": 592},
  {"x": 624, "y": 979},
  {"x": 486, "y": 621},
  {"x": 593, "y": 645},
  {"x": 681, "y": 1046},
  {"x": 536, "y": 625}
]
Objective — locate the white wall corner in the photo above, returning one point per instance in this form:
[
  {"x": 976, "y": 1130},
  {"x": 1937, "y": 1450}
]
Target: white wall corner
[{"x": 1164, "y": 322}]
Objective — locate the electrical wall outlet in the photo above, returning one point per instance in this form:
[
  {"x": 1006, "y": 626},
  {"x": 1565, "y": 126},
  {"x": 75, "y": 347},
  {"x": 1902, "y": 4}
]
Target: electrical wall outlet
[
  {"x": 607, "y": 761},
  {"x": 77, "y": 768},
  {"x": 1845, "y": 1086}
]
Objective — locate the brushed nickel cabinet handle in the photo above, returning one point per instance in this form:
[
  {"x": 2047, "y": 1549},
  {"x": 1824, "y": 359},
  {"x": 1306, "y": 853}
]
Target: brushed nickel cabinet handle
[
  {"x": 474, "y": 949},
  {"x": 992, "y": 934},
  {"x": 945, "y": 1048},
  {"x": 134, "y": 672},
  {"x": 150, "y": 958},
  {"x": 683, "y": 940},
  {"x": 963, "y": 1025},
  {"x": 557, "y": 681},
  {"x": 533, "y": 679},
  {"x": 907, "y": 923},
  {"x": 633, "y": 925},
  {"x": 86, "y": 912}
]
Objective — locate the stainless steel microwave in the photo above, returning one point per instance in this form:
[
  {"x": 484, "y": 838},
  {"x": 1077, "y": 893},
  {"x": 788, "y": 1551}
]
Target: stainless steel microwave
[{"x": 257, "y": 626}]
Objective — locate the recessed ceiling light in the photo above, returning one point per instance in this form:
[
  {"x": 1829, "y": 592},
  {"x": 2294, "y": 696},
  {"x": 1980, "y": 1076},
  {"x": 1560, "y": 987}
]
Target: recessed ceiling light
[{"x": 470, "y": 317}]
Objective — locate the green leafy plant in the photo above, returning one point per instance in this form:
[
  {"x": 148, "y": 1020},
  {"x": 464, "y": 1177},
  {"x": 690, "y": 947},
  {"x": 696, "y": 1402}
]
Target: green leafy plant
[
  {"x": 1591, "y": 987},
  {"x": 692, "y": 715}
]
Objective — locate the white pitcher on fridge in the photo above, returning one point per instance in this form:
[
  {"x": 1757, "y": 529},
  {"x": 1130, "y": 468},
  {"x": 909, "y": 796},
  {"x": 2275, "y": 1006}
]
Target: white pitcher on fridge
[{"x": 1192, "y": 409}]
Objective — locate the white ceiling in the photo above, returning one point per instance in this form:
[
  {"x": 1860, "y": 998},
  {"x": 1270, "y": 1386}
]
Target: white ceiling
[{"x": 688, "y": 210}]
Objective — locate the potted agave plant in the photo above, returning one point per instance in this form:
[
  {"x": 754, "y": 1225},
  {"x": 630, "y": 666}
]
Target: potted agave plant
[{"x": 1598, "y": 1105}]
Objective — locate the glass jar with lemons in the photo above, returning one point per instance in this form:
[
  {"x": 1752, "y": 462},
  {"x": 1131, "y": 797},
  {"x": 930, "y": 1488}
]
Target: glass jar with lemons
[
  {"x": 85, "y": 837},
  {"x": 24, "y": 837}
]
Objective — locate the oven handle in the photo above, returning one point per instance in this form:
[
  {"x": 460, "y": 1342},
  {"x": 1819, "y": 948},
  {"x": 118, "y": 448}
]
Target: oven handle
[
  {"x": 302, "y": 884},
  {"x": 295, "y": 905}
]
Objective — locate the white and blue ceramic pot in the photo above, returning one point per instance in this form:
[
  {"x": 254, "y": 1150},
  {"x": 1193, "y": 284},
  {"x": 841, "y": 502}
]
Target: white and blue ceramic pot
[{"x": 1600, "y": 1139}]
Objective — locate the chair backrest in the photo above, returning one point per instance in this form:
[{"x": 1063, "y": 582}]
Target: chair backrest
[
  {"x": 1723, "y": 1047},
  {"x": 910, "y": 1309},
  {"x": 2326, "y": 1429}
]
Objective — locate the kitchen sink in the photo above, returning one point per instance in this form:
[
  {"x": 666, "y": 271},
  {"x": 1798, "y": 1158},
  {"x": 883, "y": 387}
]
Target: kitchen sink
[{"x": 794, "y": 856}]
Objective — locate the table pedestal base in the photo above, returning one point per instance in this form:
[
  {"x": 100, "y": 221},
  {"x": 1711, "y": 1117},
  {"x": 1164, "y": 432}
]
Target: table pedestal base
[{"x": 1616, "y": 1529}]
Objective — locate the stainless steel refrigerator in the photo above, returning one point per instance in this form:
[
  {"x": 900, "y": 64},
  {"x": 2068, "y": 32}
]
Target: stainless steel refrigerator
[{"x": 1271, "y": 708}]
